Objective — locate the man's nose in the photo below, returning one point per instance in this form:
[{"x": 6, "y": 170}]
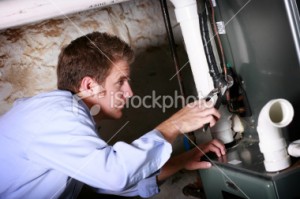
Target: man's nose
[{"x": 127, "y": 92}]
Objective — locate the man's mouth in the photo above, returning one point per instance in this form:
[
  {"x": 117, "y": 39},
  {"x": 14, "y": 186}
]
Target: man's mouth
[{"x": 120, "y": 105}]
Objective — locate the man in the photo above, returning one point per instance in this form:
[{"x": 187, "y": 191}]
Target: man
[{"x": 49, "y": 143}]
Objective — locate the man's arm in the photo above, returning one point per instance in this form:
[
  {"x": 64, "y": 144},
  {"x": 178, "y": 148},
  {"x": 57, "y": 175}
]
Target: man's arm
[{"x": 192, "y": 117}]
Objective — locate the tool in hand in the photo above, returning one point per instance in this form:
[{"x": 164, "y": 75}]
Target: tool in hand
[{"x": 210, "y": 96}]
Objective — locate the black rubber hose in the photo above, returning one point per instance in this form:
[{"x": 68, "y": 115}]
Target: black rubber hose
[{"x": 212, "y": 65}]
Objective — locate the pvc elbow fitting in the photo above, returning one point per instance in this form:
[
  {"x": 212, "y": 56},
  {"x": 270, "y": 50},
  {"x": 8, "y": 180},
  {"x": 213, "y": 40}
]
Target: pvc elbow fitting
[{"x": 276, "y": 114}]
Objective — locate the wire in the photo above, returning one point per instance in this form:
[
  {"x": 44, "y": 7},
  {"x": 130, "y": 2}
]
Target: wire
[
  {"x": 216, "y": 34},
  {"x": 219, "y": 44}
]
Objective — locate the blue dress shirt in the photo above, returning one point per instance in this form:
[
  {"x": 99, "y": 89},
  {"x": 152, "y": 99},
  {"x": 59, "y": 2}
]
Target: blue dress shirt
[{"x": 49, "y": 147}]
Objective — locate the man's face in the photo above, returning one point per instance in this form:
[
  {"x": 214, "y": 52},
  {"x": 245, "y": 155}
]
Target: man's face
[{"x": 117, "y": 91}]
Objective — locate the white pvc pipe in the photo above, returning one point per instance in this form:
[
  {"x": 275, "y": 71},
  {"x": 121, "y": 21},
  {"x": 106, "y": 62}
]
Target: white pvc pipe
[
  {"x": 276, "y": 114},
  {"x": 294, "y": 149},
  {"x": 223, "y": 128},
  {"x": 20, "y": 12},
  {"x": 187, "y": 15}
]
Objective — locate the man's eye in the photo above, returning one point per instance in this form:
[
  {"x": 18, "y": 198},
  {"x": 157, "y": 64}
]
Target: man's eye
[{"x": 121, "y": 82}]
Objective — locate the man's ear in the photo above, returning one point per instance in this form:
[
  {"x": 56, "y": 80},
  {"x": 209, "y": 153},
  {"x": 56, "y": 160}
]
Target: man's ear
[
  {"x": 85, "y": 86},
  {"x": 90, "y": 87}
]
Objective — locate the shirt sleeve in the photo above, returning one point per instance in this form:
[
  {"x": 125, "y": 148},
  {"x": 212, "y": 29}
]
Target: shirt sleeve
[
  {"x": 148, "y": 187},
  {"x": 76, "y": 151},
  {"x": 145, "y": 188}
]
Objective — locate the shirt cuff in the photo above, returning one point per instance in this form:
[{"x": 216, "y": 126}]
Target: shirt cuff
[{"x": 148, "y": 186}]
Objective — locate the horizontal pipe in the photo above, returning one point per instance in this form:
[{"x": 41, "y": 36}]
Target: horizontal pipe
[
  {"x": 20, "y": 12},
  {"x": 294, "y": 149}
]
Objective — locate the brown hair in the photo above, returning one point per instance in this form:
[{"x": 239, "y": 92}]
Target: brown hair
[{"x": 91, "y": 55}]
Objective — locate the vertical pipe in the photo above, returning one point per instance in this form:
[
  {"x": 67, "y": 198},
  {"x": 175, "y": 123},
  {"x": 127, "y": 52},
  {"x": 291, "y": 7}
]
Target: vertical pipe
[
  {"x": 187, "y": 15},
  {"x": 172, "y": 46}
]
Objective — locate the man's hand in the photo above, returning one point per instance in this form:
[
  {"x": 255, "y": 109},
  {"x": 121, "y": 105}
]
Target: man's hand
[
  {"x": 192, "y": 157},
  {"x": 190, "y": 160},
  {"x": 190, "y": 118}
]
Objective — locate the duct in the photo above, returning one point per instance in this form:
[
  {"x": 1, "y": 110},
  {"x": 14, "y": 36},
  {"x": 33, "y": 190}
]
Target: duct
[
  {"x": 187, "y": 15},
  {"x": 276, "y": 114},
  {"x": 19, "y": 12}
]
